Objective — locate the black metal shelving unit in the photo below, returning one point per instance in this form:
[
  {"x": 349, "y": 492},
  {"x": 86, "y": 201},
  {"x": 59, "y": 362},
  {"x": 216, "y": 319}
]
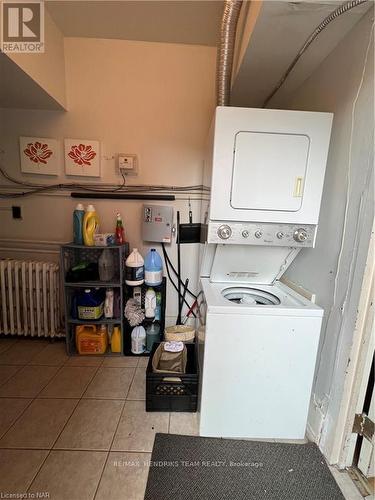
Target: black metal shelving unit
[{"x": 162, "y": 288}]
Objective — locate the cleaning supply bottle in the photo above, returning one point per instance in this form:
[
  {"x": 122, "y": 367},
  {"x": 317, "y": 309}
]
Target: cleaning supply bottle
[
  {"x": 158, "y": 307},
  {"x": 116, "y": 303},
  {"x": 109, "y": 303},
  {"x": 90, "y": 225},
  {"x": 152, "y": 335},
  {"x": 134, "y": 269},
  {"x": 109, "y": 333},
  {"x": 116, "y": 339},
  {"x": 150, "y": 303},
  {"x": 89, "y": 340},
  {"x": 106, "y": 265},
  {"x": 138, "y": 340},
  {"x": 102, "y": 330},
  {"x": 153, "y": 268},
  {"x": 78, "y": 216},
  {"x": 90, "y": 304},
  {"x": 120, "y": 232}
]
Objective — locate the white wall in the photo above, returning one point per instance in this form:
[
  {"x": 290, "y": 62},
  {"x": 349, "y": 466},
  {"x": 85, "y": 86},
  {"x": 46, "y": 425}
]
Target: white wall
[
  {"x": 152, "y": 99},
  {"x": 46, "y": 69},
  {"x": 334, "y": 269}
]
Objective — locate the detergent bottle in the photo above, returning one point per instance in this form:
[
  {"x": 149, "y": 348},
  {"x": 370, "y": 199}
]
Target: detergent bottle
[
  {"x": 89, "y": 340},
  {"x": 78, "y": 216},
  {"x": 153, "y": 268},
  {"x": 134, "y": 269},
  {"x": 116, "y": 340},
  {"x": 90, "y": 225}
]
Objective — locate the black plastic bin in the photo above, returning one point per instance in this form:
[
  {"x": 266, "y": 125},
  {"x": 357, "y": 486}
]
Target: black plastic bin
[{"x": 167, "y": 392}]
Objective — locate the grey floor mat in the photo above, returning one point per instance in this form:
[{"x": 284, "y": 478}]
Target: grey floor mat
[{"x": 194, "y": 468}]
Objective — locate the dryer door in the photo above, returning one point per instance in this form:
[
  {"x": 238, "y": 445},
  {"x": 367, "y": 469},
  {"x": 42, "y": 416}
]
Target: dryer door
[
  {"x": 267, "y": 165},
  {"x": 269, "y": 171}
]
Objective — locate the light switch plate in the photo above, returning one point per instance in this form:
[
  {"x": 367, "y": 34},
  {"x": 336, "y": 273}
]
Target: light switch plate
[{"x": 127, "y": 164}]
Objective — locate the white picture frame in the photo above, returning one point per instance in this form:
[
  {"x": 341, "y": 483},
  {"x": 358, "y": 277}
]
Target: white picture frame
[
  {"x": 82, "y": 157},
  {"x": 39, "y": 155}
]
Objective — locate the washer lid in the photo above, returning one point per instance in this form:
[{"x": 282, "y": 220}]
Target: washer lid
[
  {"x": 291, "y": 303},
  {"x": 259, "y": 265}
]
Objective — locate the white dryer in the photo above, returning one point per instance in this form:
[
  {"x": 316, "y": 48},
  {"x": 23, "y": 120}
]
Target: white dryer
[{"x": 266, "y": 165}]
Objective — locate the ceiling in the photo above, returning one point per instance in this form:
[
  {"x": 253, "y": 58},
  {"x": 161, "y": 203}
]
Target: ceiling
[
  {"x": 188, "y": 22},
  {"x": 280, "y": 30}
]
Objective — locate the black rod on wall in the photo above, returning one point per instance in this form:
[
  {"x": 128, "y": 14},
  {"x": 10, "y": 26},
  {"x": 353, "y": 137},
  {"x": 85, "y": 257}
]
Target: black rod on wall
[{"x": 124, "y": 196}]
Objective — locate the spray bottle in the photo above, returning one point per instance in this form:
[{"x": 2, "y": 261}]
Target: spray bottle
[{"x": 120, "y": 232}]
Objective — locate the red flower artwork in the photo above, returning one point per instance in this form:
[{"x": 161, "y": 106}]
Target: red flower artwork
[
  {"x": 81, "y": 154},
  {"x": 38, "y": 152}
]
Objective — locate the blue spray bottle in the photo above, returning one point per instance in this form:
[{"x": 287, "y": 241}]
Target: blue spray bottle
[{"x": 78, "y": 215}]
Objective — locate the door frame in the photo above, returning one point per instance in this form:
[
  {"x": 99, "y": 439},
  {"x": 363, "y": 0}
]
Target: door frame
[{"x": 359, "y": 366}]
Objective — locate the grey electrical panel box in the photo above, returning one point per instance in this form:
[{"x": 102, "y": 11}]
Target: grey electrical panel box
[{"x": 157, "y": 223}]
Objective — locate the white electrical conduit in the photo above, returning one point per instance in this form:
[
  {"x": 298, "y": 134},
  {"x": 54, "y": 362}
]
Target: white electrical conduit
[
  {"x": 226, "y": 50},
  {"x": 331, "y": 17}
]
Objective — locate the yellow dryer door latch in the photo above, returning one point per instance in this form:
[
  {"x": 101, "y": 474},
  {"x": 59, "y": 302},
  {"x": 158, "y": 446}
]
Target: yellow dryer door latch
[{"x": 298, "y": 187}]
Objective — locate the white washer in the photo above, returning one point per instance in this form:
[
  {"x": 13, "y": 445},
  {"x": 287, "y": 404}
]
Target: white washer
[{"x": 257, "y": 360}]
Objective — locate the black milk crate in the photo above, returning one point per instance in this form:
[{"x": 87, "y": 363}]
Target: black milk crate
[{"x": 173, "y": 392}]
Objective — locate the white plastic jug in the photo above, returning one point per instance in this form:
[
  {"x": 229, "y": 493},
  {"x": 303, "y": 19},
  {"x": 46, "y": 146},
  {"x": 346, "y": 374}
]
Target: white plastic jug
[
  {"x": 150, "y": 303},
  {"x": 153, "y": 268},
  {"x": 138, "y": 340},
  {"x": 134, "y": 269}
]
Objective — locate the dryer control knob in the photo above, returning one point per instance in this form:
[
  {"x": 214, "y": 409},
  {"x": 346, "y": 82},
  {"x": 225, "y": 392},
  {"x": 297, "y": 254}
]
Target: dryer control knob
[
  {"x": 280, "y": 235},
  {"x": 245, "y": 233},
  {"x": 300, "y": 235},
  {"x": 224, "y": 232},
  {"x": 258, "y": 234}
]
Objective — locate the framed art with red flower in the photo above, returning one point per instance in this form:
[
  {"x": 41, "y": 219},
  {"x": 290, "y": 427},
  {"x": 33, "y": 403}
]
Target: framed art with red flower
[
  {"x": 82, "y": 157},
  {"x": 39, "y": 155}
]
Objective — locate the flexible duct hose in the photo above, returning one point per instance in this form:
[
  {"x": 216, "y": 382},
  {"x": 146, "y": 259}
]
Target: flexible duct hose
[
  {"x": 331, "y": 17},
  {"x": 226, "y": 50}
]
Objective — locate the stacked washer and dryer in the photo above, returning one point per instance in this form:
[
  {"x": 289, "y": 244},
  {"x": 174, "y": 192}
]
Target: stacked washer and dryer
[{"x": 258, "y": 338}]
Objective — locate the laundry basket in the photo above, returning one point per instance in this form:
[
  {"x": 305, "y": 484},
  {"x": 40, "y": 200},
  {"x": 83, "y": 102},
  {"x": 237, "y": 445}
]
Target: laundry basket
[{"x": 181, "y": 333}]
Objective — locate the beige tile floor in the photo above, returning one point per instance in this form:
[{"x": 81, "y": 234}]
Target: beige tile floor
[{"x": 76, "y": 428}]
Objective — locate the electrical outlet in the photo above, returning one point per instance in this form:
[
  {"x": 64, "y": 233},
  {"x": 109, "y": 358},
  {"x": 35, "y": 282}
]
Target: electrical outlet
[
  {"x": 127, "y": 164},
  {"x": 16, "y": 212}
]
